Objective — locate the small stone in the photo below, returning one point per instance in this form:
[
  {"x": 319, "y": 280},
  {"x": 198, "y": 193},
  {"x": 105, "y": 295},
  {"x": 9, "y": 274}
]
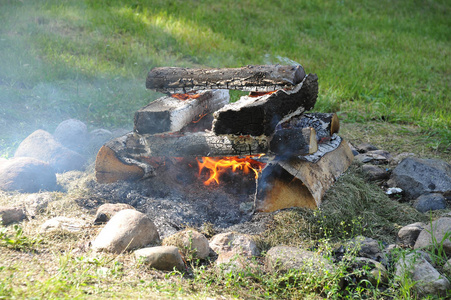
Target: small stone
[
  {"x": 128, "y": 229},
  {"x": 107, "y": 210},
  {"x": 97, "y": 138},
  {"x": 43, "y": 146},
  {"x": 64, "y": 224},
  {"x": 439, "y": 228},
  {"x": 37, "y": 203},
  {"x": 375, "y": 173},
  {"x": 393, "y": 191},
  {"x": 239, "y": 243},
  {"x": 235, "y": 262},
  {"x": 191, "y": 243},
  {"x": 408, "y": 235},
  {"x": 72, "y": 134},
  {"x": 9, "y": 215},
  {"x": 365, "y": 147},
  {"x": 383, "y": 153},
  {"x": 428, "y": 281},
  {"x": 365, "y": 247},
  {"x": 398, "y": 158},
  {"x": 447, "y": 268},
  {"x": 429, "y": 202},
  {"x": 377, "y": 273},
  {"x": 284, "y": 258},
  {"x": 27, "y": 175},
  {"x": 164, "y": 258}
]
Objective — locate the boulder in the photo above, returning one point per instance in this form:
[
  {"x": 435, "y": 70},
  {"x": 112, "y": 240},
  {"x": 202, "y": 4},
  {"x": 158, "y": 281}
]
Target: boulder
[
  {"x": 428, "y": 202},
  {"x": 43, "y": 146},
  {"x": 9, "y": 215},
  {"x": 422, "y": 176},
  {"x": 26, "y": 174},
  {"x": 236, "y": 242},
  {"x": 408, "y": 234},
  {"x": 284, "y": 258},
  {"x": 63, "y": 224},
  {"x": 72, "y": 134},
  {"x": 165, "y": 258},
  {"x": 128, "y": 229},
  {"x": 107, "y": 210},
  {"x": 191, "y": 243},
  {"x": 440, "y": 229},
  {"x": 428, "y": 281},
  {"x": 374, "y": 172}
]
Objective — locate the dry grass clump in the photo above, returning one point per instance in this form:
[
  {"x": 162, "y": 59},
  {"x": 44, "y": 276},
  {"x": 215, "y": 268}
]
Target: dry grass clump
[{"x": 353, "y": 206}]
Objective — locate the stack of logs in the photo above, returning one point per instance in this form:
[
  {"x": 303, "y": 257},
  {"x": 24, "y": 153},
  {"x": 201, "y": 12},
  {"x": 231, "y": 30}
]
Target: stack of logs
[{"x": 303, "y": 153}]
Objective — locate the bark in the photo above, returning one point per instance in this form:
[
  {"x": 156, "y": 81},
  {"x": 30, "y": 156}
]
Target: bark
[
  {"x": 251, "y": 78},
  {"x": 259, "y": 115},
  {"x": 168, "y": 114}
]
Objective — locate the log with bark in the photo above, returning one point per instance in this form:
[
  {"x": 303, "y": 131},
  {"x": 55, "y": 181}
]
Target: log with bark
[
  {"x": 299, "y": 182},
  {"x": 250, "y": 78},
  {"x": 169, "y": 114},
  {"x": 259, "y": 115}
]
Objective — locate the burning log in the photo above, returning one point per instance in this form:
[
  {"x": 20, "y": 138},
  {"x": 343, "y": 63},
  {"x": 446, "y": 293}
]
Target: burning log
[
  {"x": 250, "y": 78},
  {"x": 302, "y": 181},
  {"x": 168, "y": 114},
  {"x": 119, "y": 155},
  {"x": 260, "y": 115}
]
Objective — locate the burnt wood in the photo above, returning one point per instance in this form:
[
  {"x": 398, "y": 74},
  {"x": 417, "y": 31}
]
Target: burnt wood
[
  {"x": 288, "y": 142},
  {"x": 259, "y": 115},
  {"x": 168, "y": 114},
  {"x": 250, "y": 78}
]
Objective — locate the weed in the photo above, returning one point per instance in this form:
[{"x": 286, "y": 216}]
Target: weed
[{"x": 17, "y": 241}]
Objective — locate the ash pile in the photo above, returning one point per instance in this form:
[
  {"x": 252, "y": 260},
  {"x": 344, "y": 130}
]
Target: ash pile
[{"x": 194, "y": 157}]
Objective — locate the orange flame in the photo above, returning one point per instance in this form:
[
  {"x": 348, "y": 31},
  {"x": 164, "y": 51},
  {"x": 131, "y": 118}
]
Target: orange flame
[
  {"x": 218, "y": 166},
  {"x": 185, "y": 96},
  {"x": 259, "y": 94}
]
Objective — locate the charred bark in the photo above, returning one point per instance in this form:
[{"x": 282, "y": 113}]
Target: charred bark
[
  {"x": 251, "y": 78},
  {"x": 260, "y": 115}
]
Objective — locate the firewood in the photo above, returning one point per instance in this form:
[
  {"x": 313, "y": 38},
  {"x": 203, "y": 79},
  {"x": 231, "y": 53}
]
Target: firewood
[
  {"x": 121, "y": 158},
  {"x": 325, "y": 124},
  {"x": 289, "y": 142},
  {"x": 168, "y": 114},
  {"x": 299, "y": 182},
  {"x": 251, "y": 78},
  {"x": 259, "y": 115}
]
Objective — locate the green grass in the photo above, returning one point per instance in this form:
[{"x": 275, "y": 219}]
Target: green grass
[{"x": 376, "y": 60}]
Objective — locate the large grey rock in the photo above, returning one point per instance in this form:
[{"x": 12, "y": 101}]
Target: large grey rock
[
  {"x": 408, "y": 234},
  {"x": 428, "y": 281},
  {"x": 164, "y": 258},
  {"x": 230, "y": 241},
  {"x": 128, "y": 229},
  {"x": 284, "y": 258},
  {"x": 191, "y": 243},
  {"x": 9, "y": 215},
  {"x": 43, "y": 146},
  {"x": 421, "y": 176},
  {"x": 62, "y": 224},
  {"x": 73, "y": 134},
  {"x": 108, "y": 210},
  {"x": 428, "y": 202},
  {"x": 26, "y": 174},
  {"x": 441, "y": 234}
]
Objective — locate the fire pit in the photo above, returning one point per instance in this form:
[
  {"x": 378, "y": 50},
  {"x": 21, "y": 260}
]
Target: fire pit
[{"x": 263, "y": 149}]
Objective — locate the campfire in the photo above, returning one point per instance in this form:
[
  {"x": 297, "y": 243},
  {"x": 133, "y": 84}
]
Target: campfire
[{"x": 294, "y": 156}]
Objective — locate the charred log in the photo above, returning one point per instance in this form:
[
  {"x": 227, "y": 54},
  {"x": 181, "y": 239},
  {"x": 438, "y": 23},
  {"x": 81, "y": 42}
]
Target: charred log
[
  {"x": 169, "y": 114},
  {"x": 288, "y": 142},
  {"x": 260, "y": 115},
  {"x": 251, "y": 78}
]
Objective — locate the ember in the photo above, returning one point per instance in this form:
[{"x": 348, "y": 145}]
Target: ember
[
  {"x": 218, "y": 166},
  {"x": 186, "y": 96},
  {"x": 259, "y": 94}
]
